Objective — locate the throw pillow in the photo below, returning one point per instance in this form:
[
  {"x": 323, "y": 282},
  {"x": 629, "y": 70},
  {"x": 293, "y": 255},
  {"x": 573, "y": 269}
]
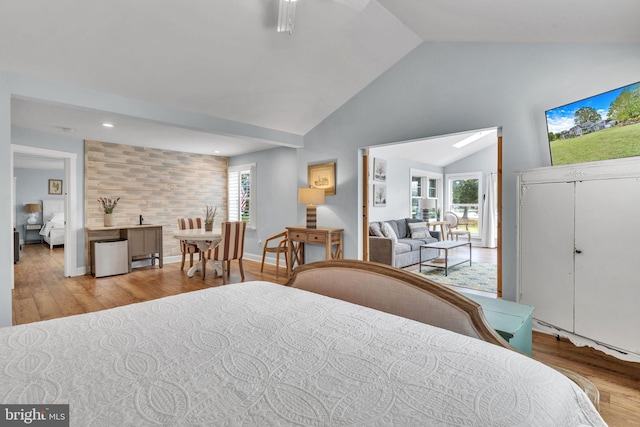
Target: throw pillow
[
  {"x": 388, "y": 232},
  {"x": 419, "y": 230},
  {"x": 374, "y": 229}
]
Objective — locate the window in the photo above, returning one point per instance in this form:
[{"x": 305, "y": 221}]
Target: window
[
  {"x": 424, "y": 184},
  {"x": 464, "y": 199},
  {"x": 242, "y": 194}
]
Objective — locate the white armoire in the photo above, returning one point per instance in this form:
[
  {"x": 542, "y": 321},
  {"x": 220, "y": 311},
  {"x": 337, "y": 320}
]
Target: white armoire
[{"x": 579, "y": 252}]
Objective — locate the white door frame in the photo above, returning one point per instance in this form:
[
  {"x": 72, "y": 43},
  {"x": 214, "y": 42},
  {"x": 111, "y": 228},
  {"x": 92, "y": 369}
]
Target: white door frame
[{"x": 70, "y": 201}]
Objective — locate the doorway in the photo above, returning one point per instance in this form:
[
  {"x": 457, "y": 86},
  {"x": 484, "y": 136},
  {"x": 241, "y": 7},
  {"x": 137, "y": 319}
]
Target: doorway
[
  {"x": 70, "y": 200},
  {"x": 477, "y": 151}
]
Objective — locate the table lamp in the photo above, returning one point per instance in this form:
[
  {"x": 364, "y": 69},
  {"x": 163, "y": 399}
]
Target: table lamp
[
  {"x": 311, "y": 197},
  {"x": 32, "y": 210},
  {"x": 425, "y": 205}
]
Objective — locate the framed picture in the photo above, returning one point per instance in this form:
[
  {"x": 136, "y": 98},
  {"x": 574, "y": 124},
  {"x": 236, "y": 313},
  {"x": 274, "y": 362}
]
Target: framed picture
[
  {"x": 379, "y": 195},
  {"x": 55, "y": 186},
  {"x": 379, "y": 170},
  {"x": 323, "y": 176}
]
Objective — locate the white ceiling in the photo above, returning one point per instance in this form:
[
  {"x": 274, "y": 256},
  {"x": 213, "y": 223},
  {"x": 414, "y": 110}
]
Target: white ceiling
[{"x": 225, "y": 59}]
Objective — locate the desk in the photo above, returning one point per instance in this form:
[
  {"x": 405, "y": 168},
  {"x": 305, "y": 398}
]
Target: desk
[
  {"x": 298, "y": 236},
  {"x": 205, "y": 240},
  {"x": 433, "y": 225}
]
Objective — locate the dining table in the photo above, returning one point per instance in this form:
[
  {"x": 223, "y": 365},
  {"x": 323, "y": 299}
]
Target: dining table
[{"x": 205, "y": 240}]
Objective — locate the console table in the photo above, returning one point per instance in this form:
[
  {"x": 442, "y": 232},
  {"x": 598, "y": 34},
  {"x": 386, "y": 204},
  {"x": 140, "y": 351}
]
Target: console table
[{"x": 331, "y": 238}]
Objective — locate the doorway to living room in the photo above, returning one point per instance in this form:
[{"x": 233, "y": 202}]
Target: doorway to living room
[{"x": 458, "y": 173}]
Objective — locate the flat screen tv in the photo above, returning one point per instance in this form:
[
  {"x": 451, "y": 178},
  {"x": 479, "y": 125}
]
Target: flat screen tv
[{"x": 602, "y": 127}]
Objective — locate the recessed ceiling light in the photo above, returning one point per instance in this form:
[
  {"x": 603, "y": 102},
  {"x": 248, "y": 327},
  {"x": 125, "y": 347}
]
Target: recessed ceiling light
[
  {"x": 217, "y": 151},
  {"x": 107, "y": 125}
]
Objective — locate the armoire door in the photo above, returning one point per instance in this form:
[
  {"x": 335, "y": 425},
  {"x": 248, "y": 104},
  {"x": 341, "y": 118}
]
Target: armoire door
[
  {"x": 607, "y": 266},
  {"x": 546, "y": 251}
]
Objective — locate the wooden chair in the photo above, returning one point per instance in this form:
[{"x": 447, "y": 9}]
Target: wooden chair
[
  {"x": 189, "y": 248},
  {"x": 452, "y": 227},
  {"x": 231, "y": 247},
  {"x": 280, "y": 247}
]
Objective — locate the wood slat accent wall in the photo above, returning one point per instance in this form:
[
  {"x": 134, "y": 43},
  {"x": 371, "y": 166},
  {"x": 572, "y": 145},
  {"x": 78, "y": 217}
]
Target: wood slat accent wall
[{"x": 160, "y": 185}]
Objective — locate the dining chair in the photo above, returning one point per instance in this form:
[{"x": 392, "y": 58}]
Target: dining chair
[
  {"x": 453, "y": 222},
  {"x": 231, "y": 247},
  {"x": 279, "y": 247},
  {"x": 185, "y": 247}
]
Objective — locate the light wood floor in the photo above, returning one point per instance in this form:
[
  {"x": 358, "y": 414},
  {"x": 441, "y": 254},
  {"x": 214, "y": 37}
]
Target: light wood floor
[{"x": 41, "y": 292}]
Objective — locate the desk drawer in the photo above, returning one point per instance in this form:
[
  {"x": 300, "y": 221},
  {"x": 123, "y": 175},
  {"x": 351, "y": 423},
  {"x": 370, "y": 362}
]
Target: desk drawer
[
  {"x": 316, "y": 238},
  {"x": 298, "y": 236}
]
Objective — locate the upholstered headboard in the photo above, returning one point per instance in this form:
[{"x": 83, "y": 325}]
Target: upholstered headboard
[{"x": 51, "y": 207}]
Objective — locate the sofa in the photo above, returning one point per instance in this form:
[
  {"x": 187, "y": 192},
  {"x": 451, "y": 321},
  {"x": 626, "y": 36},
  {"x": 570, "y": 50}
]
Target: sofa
[{"x": 400, "y": 249}]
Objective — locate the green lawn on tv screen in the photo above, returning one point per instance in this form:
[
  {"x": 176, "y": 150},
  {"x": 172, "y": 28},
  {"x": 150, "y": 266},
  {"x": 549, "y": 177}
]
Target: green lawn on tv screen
[{"x": 611, "y": 143}]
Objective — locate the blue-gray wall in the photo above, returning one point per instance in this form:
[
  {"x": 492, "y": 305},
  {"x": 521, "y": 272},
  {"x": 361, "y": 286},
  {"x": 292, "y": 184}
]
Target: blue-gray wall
[
  {"x": 437, "y": 89},
  {"x": 443, "y": 88},
  {"x": 277, "y": 193}
]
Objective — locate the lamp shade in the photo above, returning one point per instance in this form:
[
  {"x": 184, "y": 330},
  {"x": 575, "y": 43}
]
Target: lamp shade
[
  {"x": 32, "y": 207},
  {"x": 311, "y": 196},
  {"x": 428, "y": 203}
]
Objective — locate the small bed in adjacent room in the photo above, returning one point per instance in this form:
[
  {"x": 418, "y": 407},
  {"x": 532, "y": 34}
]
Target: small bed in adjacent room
[
  {"x": 258, "y": 353},
  {"x": 54, "y": 224}
]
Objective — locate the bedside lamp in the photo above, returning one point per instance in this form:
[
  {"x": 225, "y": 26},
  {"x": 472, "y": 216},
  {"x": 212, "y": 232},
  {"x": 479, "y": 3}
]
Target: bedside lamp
[
  {"x": 32, "y": 210},
  {"x": 311, "y": 197},
  {"x": 425, "y": 205}
]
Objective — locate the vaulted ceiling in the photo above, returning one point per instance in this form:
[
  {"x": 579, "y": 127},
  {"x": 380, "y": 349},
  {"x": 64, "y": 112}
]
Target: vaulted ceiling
[{"x": 225, "y": 59}]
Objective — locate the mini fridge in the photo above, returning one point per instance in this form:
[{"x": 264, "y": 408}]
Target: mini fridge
[{"x": 110, "y": 257}]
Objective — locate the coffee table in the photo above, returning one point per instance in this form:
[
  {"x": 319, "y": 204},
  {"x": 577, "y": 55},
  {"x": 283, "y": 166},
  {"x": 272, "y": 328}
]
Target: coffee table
[{"x": 446, "y": 262}]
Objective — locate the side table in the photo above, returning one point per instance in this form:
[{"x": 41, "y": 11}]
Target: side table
[{"x": 32, "y": 227}]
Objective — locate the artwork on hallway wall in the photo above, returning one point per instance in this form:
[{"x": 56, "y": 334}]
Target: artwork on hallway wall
[
  {"x": 379, "y": 170},
  {"x": 379, "y": 195},
  {"x": 55, "y": 186},
  {"x": 323, "y": 176}
]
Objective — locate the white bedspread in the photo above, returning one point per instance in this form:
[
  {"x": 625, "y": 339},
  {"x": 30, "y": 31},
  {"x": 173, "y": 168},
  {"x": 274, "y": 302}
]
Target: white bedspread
[{"x": 260, "y": 354}]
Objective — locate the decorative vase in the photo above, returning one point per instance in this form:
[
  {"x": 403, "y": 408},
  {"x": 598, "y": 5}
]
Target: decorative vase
[
  {"x": 108, "y": 220},
  {"x": 208, "y": 226}
]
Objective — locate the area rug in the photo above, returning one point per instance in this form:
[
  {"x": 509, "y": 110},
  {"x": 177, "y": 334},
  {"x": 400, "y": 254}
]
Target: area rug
[{"x": 479, "y": 276}]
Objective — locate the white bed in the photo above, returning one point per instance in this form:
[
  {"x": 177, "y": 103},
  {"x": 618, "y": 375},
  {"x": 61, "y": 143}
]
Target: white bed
[
  {"x": 258, "y": 353},
  {"x": 54, "y": 223}
]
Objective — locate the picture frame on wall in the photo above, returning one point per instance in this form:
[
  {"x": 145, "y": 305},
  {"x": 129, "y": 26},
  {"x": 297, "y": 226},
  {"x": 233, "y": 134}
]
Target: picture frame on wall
[
  {"x": 379, "y": 195},
  {"x": 323, "y": 176},
  {"x": 379, "y": 170},
  {"x": 55, "y": 186}
]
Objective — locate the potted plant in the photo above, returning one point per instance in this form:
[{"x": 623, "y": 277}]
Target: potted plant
[
  {"x": 108, "y": 205},
  {"x": 209, "y": 217}
]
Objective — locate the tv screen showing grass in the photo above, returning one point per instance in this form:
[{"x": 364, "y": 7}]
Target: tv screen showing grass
[{"x": 602, "y": 127}]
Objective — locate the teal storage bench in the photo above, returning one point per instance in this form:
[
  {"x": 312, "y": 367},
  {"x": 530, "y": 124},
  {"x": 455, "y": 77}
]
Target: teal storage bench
[{"x": 510, "y": 319}]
